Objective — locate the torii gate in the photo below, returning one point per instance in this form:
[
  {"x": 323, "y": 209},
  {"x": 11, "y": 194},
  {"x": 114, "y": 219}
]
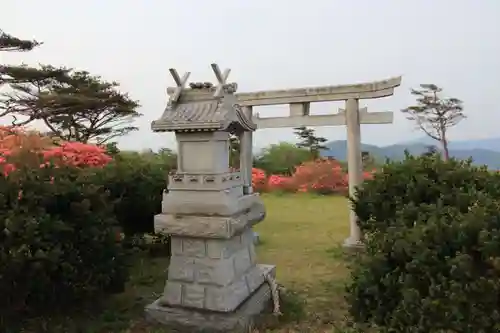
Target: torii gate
[{"x": 299, "y": 101}]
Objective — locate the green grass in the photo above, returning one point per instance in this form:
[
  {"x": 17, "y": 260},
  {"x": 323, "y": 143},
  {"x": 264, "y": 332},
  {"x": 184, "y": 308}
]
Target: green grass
[{"x": 301, "y": 235}]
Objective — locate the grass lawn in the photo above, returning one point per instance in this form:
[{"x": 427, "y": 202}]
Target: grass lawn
[{"x": 301, "y": 235}]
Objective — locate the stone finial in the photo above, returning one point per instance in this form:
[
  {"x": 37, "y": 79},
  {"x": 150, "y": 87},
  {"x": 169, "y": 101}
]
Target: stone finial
[
  {"x": 221, "y": 79},
  {"x": 180, "y": 82}
]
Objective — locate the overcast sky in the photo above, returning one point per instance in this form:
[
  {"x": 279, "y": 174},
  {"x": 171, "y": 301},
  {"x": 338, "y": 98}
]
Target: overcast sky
[{"x": 276, "y": 44}]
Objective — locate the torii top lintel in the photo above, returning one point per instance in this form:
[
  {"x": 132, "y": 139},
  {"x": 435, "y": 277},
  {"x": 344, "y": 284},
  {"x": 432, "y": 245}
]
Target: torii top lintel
[{"x": 367, "y": 90}]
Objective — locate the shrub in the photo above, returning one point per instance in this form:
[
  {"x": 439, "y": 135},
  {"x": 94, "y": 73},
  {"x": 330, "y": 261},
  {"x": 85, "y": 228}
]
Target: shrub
[
  {"x": 281, "y": 183},
  {"x": 259, "y": 180},
  {"x": 77, "y": 154},
  {"x": 282, "y": 158},
  {"x": 432, "y": 248},
  {"x": 323, "y": 176},
  {"x": 57, "y": 245},
  {"x": 36, "y": 150},
  {"x": 418, "y": 180},
  {"x": 15, "y": 139},
  {"x": 136, "y": 183}
]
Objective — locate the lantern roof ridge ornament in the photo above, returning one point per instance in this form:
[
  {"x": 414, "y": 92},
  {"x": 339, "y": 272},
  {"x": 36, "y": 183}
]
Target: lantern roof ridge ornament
[{"x": 203, "y": 106}]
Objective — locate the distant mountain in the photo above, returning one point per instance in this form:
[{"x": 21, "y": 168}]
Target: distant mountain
[
  {"x": 338, "y": 149},
  {"x": 487, "y": 144}
]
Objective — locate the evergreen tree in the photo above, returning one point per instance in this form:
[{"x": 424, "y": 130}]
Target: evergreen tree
[
  {"x": 11, "y": 43},
  {"x": 435, "y": 114},
  {"x": 74, "y": 105},
  {"x": 368, "y": 161},
  {"x": 310, "y": 141}
]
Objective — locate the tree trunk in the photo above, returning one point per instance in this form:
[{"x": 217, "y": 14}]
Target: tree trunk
[
  {"x": 444, "y": 142},
  {"x": 446, "y": 153}
]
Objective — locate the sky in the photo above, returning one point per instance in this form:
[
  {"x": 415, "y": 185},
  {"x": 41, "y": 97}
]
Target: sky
[{"x": 276, "y": 44}]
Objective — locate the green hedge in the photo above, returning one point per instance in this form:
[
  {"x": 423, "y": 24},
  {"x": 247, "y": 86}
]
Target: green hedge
[
  {"x": 432, "y": 259},
  {"x": 136, "y": 184},
  {"x": 58, "y": 246}
]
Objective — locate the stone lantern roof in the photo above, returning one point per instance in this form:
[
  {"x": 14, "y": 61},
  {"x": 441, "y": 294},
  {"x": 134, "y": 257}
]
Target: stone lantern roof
[{"x": 203, "y": 107}]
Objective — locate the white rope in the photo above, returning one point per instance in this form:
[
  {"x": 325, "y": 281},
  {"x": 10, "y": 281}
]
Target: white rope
[{"x": 275, "y": 294}]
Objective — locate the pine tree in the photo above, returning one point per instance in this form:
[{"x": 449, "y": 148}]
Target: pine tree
[
  {"x": 74, "y": 105},
  {"x": 310, "y": 141},
  {"x": 435, "y": 114},
  {"x": 11, "y": 43}
]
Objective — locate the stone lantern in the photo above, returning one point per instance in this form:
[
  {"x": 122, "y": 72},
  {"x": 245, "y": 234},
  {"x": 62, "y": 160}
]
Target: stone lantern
[{"x": 214, "y": 283}]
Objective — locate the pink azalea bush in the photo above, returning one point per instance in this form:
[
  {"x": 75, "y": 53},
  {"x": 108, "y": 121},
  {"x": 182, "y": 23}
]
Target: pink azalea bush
[
  {"x": 280, "y": 183},
  {"x": 323, "y": 176},
  {"x": 259, "y": 180},
  {"x": 78, "y": 154},
  {"x": 56, "y": 218},
  {"x": 32, "y": 148}
]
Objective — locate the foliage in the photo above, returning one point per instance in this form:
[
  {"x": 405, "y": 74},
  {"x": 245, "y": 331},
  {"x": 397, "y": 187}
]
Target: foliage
[
  {"x": 432, "y": 248},
  {"x": 11, "y": 43},
  {"x": 310, "y": 141},
  {"x": 280, "y": 183},
  {"x": 293, "y": 241},
  {"x": 57, "y": 245},
  {"x": 14, "y": 140},
  {"x": 112, "y": 148},
  {"x": 74, "y": 105},
  {"x": 368, "y": 161},
  {"x": 136, "y": 182},
  {"x": 281, "y": 158},
  {"x": 259, "y": 180},
  {"x": 434, "y": 114},
  {"x": 77, "y": 154},
  {"x": 323, "y": 176},
  {"x": 30, "y": 148}
]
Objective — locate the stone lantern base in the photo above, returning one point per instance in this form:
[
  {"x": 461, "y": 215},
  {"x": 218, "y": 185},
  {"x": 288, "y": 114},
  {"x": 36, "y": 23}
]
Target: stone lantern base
[{"x": 182, "y": 319}]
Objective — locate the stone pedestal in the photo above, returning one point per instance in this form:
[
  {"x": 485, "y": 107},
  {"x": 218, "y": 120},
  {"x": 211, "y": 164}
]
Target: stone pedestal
[
  {"x": 212, "y": 274},
  {"x": 214, "y": 283},
  {"x": 191, "y": 320}
]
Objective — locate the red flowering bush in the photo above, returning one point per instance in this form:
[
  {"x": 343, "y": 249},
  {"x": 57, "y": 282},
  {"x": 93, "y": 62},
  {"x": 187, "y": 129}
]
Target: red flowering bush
[
  {"x": 22, "y": 147},
  {"x": 320, "y": 176},
  {"x": 323, "y": 176},
  {"x": 280, "y": 183},
  {"x": 15, "y": 139},
  {"x": 259, "y": 180},
  {"x": 77, "y": 154}
]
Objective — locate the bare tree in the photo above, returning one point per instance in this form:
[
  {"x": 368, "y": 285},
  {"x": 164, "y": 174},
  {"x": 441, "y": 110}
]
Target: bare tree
[{"x": 434, "y": 114}]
